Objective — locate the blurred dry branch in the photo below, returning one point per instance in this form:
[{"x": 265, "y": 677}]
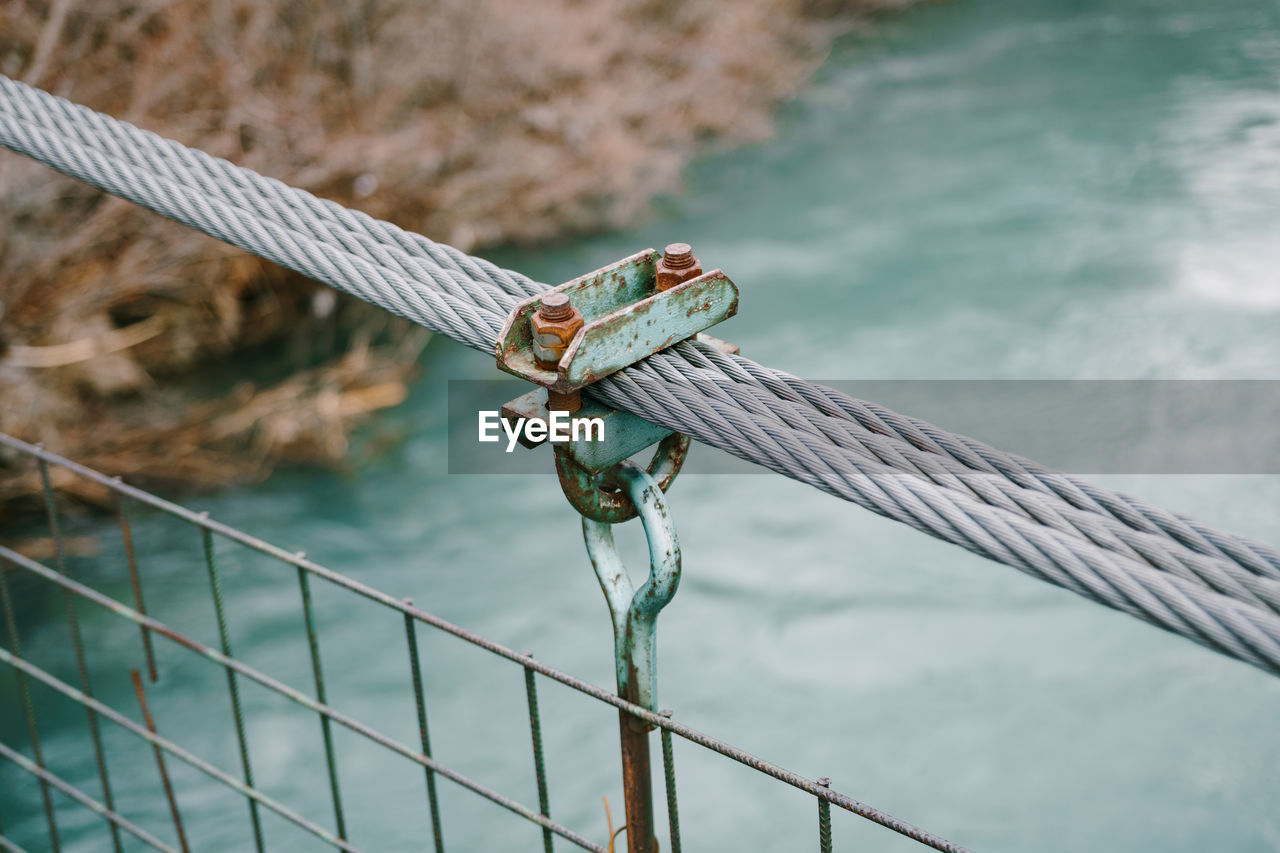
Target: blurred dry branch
[{"x": 473, "y": 121}]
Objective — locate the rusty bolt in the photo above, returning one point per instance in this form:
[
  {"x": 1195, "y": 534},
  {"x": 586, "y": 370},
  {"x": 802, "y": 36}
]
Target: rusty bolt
[
  {"x": 554, "y": 324},
  {"x": 677, "y": 266},
  {"x": 569, "y": 402}
]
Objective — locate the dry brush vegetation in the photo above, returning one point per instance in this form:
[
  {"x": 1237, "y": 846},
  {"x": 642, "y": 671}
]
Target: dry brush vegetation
[{"x": 476, "y": 122}]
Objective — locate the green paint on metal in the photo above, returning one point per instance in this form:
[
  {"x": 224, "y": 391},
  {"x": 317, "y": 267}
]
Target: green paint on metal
[
  {"x": 627, "y": 319},
  {"x": 649, "y": 326},
  {"x": 326, "y": 732},
  {"x": 420, "y": 703},
  {"x": 233, "y": 687},
  {"x": 635, "y": 611},
  {"x": 669, "y": 774},
  {"x": 539, "y": 762}
]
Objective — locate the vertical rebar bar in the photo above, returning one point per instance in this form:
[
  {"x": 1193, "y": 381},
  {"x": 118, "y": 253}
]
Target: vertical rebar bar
[
  {"x": 164, "y": 772},
  {"x": 824, "y": 819},
  {"x": 77, "y": 646},
  {"x": 669, "y": 771},
  {"x": 233, "y": 687},
  {"x": 420, "y": 700},
  {"x": 539, "y": 766},
  {"x": 28, "y": 710},
  {"x": 139, "y": 603},
  {"x": 313, "y": 642}
]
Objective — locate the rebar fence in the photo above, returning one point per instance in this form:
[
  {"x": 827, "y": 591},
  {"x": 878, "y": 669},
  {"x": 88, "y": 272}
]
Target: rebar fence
[{"x": 239, "y": 778}]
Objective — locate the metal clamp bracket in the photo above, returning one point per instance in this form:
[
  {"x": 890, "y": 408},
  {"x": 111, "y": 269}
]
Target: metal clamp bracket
[{"x": 625, "y": 317}]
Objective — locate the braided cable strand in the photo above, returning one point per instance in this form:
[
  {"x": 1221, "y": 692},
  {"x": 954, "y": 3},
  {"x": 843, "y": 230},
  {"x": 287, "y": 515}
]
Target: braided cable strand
[
  {"x": 223, "y": 179},
  {"x": 1217, "y": 589},
  {"x": 496, "y": 289},
  {"x": 374, "y": 239},
  {"x": 378, "y": 284}
]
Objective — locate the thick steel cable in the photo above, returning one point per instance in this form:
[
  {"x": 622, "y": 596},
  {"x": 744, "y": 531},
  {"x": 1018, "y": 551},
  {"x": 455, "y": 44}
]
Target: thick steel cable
[
  {"x": 458, "y": 273},
  {"x": 449, "y": 269},
  {"x": 1217, "y": 589}
]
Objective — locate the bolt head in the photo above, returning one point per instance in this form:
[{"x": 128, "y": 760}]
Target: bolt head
[
  {"x": 552, "y": 335},
  {"x": 677, "y": 265},
  {"x": 555, "y": 306},
  {"x": 677, "y": 253}
]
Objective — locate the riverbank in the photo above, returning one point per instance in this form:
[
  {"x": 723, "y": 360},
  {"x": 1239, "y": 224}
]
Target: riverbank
[{"x": 479, "y": 123}]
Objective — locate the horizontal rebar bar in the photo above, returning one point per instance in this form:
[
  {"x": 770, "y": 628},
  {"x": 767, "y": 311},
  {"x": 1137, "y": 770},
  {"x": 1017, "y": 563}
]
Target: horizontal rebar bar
[
  {"x": 795, "y": 780},
  {"x": 85, "y": 800},
  {"x": 298, "y": 697}
]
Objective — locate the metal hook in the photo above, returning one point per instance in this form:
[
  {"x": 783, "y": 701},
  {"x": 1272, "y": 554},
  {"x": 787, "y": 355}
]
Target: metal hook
[
  {"x": 589, "y": 493},
  {"x": 635, "y": 615},
  {"x": 635, "y": 612}
]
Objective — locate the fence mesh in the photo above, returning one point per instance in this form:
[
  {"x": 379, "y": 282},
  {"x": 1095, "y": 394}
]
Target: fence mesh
[{"x": 66, "y": 801}]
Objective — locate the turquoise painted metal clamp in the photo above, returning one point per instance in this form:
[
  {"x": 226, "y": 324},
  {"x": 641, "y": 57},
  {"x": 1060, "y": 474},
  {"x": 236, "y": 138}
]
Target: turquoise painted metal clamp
[
  {"x": 626, "y": 319},
  {"x": 635, "y": 611}
]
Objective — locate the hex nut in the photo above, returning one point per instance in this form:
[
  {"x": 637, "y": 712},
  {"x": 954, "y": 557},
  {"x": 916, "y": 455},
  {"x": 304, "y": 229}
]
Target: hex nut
[
  {"x": 677, "y": 266},
  {"x": 554, "y": 325}
]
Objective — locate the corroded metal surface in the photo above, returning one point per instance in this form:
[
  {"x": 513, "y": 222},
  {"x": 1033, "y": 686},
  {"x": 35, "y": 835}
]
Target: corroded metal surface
[
  {"x": 596, "y": 494},
  {"x": 552, "y": 328},
  {"x": 635, "y": 614},
  {"x": 634, "y": 308},
  {"x": 677, "y": 265},
  {"x": 626, "y": 319}
]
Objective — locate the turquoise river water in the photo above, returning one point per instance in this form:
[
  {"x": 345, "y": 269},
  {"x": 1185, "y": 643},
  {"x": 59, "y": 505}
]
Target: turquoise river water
[{"x": 977, "y": 189}]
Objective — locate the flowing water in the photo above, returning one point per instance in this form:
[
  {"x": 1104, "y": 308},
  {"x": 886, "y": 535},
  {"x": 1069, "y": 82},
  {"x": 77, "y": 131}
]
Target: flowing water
[{"x": 977, "y": 189}]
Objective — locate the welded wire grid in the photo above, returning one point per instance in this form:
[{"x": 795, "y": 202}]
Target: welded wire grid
[{"x": 240, "y": 779}]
